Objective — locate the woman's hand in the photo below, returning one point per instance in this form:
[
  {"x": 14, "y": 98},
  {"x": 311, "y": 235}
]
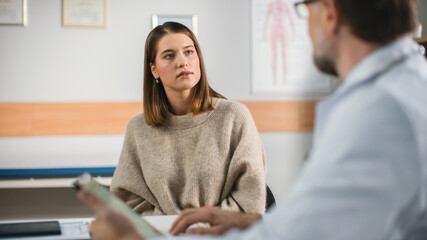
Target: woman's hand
[{"x": 220, "y": 221}]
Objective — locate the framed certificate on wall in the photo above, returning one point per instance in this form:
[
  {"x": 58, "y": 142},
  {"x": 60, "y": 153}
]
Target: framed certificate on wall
[
  {"x": 13, "y": 12},
  {"x": 84, "y": 13},
  {"x": 189, "y": 21}
]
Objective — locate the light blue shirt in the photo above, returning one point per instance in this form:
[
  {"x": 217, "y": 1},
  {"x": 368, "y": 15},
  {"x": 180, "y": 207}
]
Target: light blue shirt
[{"x": 366, "y": 177}]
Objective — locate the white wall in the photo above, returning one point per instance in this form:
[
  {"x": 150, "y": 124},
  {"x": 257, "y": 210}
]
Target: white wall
[{"x": 45, "y": 62}]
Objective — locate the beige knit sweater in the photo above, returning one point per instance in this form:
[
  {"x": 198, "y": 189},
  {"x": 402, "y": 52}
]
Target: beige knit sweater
[{"x": 214, "y": 158}]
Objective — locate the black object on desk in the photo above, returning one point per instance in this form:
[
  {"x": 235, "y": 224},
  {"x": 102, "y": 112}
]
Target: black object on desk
[{"x": 29, "y": 229}]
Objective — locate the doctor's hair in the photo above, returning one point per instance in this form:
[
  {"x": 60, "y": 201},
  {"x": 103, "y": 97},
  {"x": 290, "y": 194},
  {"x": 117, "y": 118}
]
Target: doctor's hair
[{"x": 379, "y": 21}]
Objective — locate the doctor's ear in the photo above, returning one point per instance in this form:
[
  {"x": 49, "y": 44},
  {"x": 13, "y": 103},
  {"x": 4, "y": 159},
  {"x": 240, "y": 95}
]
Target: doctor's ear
[{"x": 332, "y": 16}]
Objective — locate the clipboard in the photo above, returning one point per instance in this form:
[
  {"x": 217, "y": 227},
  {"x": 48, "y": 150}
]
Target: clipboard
[{"x": 145, "y": 229}]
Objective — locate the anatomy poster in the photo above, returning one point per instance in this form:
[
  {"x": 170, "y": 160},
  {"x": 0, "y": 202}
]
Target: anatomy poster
[{"x": 281, "y": 51}]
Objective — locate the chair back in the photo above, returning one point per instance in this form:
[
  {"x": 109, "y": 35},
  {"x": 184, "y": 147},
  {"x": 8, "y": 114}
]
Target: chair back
[{"x": 270, "y": 201}]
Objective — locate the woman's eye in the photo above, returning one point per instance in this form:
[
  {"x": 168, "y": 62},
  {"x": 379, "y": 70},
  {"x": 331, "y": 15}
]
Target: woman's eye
[
  {"x": 168, "y": 56},
  {"x": 189, "y": 52}
]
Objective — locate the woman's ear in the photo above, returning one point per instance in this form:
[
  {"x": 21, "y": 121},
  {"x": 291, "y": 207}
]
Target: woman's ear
[{"x": 154, "y": 71}]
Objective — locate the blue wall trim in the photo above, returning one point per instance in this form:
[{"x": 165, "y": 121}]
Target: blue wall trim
[{"x": 55, "y": 172}]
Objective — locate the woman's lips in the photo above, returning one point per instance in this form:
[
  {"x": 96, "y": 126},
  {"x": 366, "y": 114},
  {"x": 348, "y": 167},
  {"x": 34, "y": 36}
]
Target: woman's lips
[{"x": 184, "y": 73}]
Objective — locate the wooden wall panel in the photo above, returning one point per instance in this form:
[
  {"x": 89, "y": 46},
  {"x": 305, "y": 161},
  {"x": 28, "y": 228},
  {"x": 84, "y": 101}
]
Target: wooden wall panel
[
  {"x": 275, "y": 116},
  {"x": 306, "y": 116},
  {"x": 47, "y": 119},
  {"x": 15, "y": 119},
  {"x": 110, "y": 118},
  {"x": 83, "y": 118}
]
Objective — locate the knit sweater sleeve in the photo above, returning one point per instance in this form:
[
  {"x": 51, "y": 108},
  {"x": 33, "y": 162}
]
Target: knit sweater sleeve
[
  {"x": 128, "y": 181},
  {"x": 245, "y": 181}
]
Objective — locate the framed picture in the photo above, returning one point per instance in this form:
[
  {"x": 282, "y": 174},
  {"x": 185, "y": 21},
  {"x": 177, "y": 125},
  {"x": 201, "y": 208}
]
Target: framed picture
[
  {"x": 189, "y": 21},
  {"x": 13, "y": 12},
  {"x": 281, "y": 52},
  {"x": 84, "y": 13}
]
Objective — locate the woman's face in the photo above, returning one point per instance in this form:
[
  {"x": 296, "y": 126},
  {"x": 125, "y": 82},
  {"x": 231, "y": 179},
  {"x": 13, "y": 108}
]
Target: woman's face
[{"x": 177, "y": 64}]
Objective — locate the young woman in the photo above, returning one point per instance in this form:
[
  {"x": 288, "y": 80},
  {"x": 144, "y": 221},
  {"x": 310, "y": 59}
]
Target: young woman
[{"x": 191, "y": 147}]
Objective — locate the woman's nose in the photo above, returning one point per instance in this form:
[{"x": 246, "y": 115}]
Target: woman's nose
[{"x": 182, "y": 61}]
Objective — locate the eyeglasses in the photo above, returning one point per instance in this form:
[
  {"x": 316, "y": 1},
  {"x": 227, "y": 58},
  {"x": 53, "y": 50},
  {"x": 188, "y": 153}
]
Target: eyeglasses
[{"x": 301, "y": 8}]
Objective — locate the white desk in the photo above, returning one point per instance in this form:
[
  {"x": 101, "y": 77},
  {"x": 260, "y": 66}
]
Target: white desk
[{"x": 76, "y": 228}]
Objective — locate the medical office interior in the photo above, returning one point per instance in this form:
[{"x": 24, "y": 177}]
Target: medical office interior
[{"x": 67, "y": 93}]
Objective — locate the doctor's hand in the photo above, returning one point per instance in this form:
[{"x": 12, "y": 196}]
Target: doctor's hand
[
  {"x": 220, "y": 221},
  {"x": 108, "y": 225}
]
